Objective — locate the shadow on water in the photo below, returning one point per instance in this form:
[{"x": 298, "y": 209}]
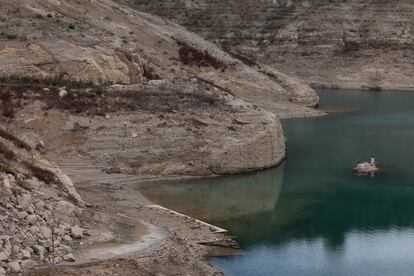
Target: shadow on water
[{"x": 220, "y": 199}]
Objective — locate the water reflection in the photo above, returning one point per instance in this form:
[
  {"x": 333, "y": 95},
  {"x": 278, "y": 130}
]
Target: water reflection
[
  {"x": 223, "y": 198},
  {"x": 313, "y": 216}
]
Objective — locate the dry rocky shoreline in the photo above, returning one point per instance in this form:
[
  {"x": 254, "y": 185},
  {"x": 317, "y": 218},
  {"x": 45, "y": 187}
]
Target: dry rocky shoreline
[
  {"x": 38, "y": 220},
  {"x": 106, "y": 140}
]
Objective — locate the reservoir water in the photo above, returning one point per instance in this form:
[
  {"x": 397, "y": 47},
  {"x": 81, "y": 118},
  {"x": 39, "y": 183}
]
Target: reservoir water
[{"x": 312, "y": 216}]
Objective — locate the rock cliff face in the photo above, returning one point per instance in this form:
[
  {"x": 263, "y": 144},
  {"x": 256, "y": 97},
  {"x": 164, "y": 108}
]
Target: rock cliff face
[
  {"x": 164, "y": 128},
  {"x": 107, "y": 42},
  {"x": 358, "y": 44}
]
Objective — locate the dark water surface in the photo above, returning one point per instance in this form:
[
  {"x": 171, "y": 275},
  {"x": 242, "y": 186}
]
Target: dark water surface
[{"x": 312, "y": 216}]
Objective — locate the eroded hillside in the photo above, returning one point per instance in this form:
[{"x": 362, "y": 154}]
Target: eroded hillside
[
  {"x": 354, "y": 43},
  {"x": 102, "y": 42}
]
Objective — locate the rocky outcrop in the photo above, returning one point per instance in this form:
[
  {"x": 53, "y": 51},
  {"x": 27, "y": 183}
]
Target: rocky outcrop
[
  {"x": 163, "y": 128},
  {"x": 355, "y": 44},
  {"x": 112, "y": 43},
  {"x": 262, "y": 150},
  {"x": 19, "y": 157}
]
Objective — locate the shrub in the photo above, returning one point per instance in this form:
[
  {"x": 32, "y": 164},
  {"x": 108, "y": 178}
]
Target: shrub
[
  {"x": 192, "y": 56},
  {"x": 148, "y": 72},
  {"x": 11, "y": 36},
  {"x": 55, "y": 80}
]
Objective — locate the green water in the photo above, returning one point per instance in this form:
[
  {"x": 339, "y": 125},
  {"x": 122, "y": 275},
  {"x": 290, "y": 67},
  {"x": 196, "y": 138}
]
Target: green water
[{"x": 312, "y": 216}]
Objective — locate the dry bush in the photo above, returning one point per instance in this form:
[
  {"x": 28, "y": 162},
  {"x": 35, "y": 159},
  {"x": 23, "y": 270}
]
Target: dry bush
[{"x": 192, "y": 56}]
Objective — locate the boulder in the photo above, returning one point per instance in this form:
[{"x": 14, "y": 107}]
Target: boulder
[
  {"x": 31, "y": 219},
  {"x": 24, "y": 201},
  {"x": 32, "y": 184},
  {"x": 76, "y": 232},
  {"x": 69, "y": 258},
  {"x": 27, "y": 264},
  {"x": 14, "y": 267},
  {"x": 25, "y": 254},
  {"x": 63, "y": 93},
  {"x": 39, "y": 250},
  {"x": 45, "y": 232},
  {"x": 65, "y": 208},
  {"x": 3, "y": 256},
  {"x": 22, "y": 214}
]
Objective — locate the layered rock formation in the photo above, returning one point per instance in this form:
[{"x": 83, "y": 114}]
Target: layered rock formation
[
  {"x": 111, "y": 43},
  {"x": 358, "y": 44},
  {"x": 176, "y": 127}
]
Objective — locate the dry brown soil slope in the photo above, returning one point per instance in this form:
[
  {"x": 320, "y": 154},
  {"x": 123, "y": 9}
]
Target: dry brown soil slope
[
  {"x": 354, "y": 43},
  {"x": 103, "y": 41}
]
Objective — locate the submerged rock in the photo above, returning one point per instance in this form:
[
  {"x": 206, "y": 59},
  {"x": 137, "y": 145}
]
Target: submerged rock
[{"x": 366, "y": 167}]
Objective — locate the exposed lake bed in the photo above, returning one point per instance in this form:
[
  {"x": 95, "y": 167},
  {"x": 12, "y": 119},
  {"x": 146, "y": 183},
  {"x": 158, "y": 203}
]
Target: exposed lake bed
[{"x": 312, "y": 216}]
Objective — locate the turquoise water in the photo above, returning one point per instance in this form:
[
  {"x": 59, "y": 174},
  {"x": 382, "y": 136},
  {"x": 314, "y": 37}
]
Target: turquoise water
[{"x": 312, "y": 216}]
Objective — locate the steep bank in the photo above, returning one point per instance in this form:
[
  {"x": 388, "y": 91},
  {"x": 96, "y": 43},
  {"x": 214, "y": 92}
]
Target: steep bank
[
  {"x": 351, "y": 44},
  {"x": 162, "y": 128},
  {"x": 40, "y": 208}
]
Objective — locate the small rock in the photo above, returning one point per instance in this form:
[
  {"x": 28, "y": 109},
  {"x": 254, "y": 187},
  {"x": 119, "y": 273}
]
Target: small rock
[
  {"x": 58, "y": 260},
  {"x": 29, "y": 242},
  {"x": 32, "y": 184},
  {"x": 31, "y": 219},
  {"x": 40, "y": 146},
  {"x": 22, "y": 214},
  {"x": 26, "y": 254},
  {"x": 67, "y": 238},
  {"x": 64, "y": 248},
  {"x": 15, "y": 249},
  {"x": 45, "y": 231},
  {"x": 65, "y": 208},
  {"x": 24, "y": 201},
  {"x": 27, "y": 264},
  {"x": 69, "y": 258},
  {"x": 111, "y": 170},
  {"x": 76, "y": 232},
  {"x": 14, "y": 267},
  {"x": 232, "y": 128},
  {"x": 134, "y": 135},
  {"x": 39, "y": 250},
  {"x": 30, "y": 210},
  {"x": 78, "y": 128},
  {"x": 3, "y": 256},
  {"x": 34, "y": 229},
  {"x": 63, "y": 93}
]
